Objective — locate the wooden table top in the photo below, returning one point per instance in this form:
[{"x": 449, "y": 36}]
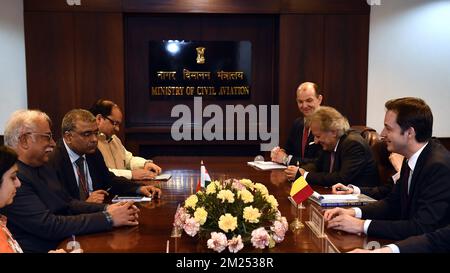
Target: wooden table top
[{"x": 156, "y": 217}]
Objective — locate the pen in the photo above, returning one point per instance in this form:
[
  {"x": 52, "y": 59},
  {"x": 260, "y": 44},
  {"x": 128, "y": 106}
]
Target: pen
[
  {"x": 342, "y": 189},
  {"x": 108, "y": 189}
]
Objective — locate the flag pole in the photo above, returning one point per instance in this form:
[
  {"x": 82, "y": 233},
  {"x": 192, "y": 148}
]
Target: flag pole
[
  {"x": 297, "y": 223},
  {"x": 300, "y": 206}
]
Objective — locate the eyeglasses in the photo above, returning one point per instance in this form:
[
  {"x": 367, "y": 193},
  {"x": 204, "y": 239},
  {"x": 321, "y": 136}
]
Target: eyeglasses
[
  {"x": 87, "y": 134},
  {"x": 113, "y": 122},
  {"x": 48, "y": 136}
]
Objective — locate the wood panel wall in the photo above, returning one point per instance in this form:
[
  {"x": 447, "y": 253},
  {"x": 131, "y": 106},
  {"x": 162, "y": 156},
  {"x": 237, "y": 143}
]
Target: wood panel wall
[{"x": 76, "y": 54}]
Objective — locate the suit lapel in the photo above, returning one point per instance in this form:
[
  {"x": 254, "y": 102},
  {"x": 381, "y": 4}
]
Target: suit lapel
[
  {"x": 416, "y": 175},
  {"x": 90, "y": 159},
  {"x": 337, "y": 155},
  {"x": 67, "y": 169}
]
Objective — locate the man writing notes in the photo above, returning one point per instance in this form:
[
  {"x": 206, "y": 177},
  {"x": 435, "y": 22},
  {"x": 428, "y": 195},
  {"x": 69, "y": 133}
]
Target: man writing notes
[
  {"x": 420, "y": 199},
  {"x": 118, "y": 159},
  {"x": 300, "y": 146},
  {"x": 80, "y": 165}
]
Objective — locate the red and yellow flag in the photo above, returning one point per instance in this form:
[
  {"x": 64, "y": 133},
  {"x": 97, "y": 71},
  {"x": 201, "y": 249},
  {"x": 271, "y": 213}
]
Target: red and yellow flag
[{"x": 300, "y": 190}]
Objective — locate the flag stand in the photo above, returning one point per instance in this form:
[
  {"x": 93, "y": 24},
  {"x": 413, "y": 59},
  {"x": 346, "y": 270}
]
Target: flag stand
[{"x": 297, "y": 223}]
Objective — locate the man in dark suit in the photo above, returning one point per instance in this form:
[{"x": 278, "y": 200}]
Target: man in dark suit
[
  {"x": 420, "y": 199},
  {"x": 81, "y": 167},
  {"x": 42, "y": 214},
  {"x": 300, "y": 146},
  {"x": 346, "y": 156}
]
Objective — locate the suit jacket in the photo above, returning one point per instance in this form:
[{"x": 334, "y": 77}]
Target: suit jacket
[
  {"x": 353, "y": 164},
  {"x": 437, "y": 241},
  {"x": 42, "y": 214},
  {"x": 102, "y": 178},
  {"x": 378, "y": 192},
  {"x": 425, "y": 209},
  {"x": 294, "y": 144}
]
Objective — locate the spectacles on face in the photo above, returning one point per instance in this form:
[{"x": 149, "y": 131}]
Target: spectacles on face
[
  {"x": 113, "y": 122},
  {"x": 87, "y": 134},
  {"x": 47, "y": 136}
]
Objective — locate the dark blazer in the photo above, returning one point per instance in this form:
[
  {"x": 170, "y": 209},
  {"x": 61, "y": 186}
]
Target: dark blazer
[
  {"x": 425, "y": 209},
  {"x": 378, "y": 192},
  {"x": 385, "y": 170},
  {"x": 102, "y": 178},
  {"x": 437, "y": 241},
  {"x": 42, "y": 214},
  {"x": 294, "y": 145},
  {"x": 353, "y": 164}
]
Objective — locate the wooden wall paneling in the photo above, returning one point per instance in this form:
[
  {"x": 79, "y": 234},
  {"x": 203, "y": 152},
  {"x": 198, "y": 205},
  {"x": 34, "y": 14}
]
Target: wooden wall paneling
[
  {"x": 195, "y": 6},
  {"x": 62, "y": 5},
  {"x": 99, "y": 61},
  {"x": 300, "y": 60},
  {"x": 346, "y": 47},
  {"x": 49, "y": 43},
  {"x": 325, "y": 6}
]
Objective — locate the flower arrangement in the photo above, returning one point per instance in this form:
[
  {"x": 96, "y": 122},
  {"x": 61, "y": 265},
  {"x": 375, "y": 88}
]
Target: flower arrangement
[{"x": 233, "y": 213}]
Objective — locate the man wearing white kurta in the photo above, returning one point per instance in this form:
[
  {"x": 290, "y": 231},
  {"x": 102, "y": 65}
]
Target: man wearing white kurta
[{"x": 118, "y": 159}]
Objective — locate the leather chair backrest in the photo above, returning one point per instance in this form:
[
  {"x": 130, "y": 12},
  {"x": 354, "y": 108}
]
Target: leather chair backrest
[{"x": 379, "y": 152}]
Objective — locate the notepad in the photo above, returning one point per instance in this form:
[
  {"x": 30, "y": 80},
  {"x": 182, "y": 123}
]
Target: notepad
[
  {"x": 165, "y": 176},
  {"x": 339, "y": 200},
  {"x": 131, "y": 198},
  {"x": 266, "y": 165}
]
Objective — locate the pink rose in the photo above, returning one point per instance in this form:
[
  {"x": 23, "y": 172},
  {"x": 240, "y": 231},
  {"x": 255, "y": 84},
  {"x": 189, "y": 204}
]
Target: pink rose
[
  {"x": 218, "y": 241},
  {"x": 235, "y": 244},
  {"x": 180, "y": 217},
  {"x": 191, "y": 227},
  {"x": 260, "y": 238}
]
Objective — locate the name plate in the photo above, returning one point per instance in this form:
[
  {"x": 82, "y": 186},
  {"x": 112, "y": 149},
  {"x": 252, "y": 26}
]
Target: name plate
[
  {"x": 181, "y": 69},
  {"x": 316, "y": 222}
]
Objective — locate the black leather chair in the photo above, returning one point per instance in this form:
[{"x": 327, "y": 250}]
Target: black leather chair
[{"x": 379, "y": 151}]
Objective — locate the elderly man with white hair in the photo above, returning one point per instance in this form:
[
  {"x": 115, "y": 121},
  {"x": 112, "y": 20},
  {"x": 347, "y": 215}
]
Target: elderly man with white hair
[
  {"x": 42, "y": 215},
  {"x": 346, "y": 156}
]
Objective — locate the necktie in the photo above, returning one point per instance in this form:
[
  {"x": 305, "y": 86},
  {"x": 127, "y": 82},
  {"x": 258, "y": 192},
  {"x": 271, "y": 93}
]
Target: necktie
[
  {"x": 83, "y": 187},
  {"x": 332, "y": 161},
  {"x": 304, "y": 140},
  {"x": 405, "y": 178}
]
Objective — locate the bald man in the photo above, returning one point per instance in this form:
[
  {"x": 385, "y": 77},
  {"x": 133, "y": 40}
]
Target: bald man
[{"x": 300, "y": 146}]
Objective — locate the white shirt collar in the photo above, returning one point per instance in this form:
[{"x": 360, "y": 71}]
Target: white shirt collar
[
  {"x": 72, "y": 155},
  {"x": 413, "y": 159},
  {"x": 337, "y": 144}
]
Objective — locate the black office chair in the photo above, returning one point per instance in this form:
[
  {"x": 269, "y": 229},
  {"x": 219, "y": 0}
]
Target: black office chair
[{"x": 379, "y": 151}]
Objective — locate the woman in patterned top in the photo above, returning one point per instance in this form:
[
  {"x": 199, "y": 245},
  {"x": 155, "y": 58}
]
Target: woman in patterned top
[{"x": 8, "y": 185}]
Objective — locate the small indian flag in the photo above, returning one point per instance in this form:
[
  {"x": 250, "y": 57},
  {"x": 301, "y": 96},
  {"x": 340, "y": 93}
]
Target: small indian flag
[
  {"x": 300, "y": 190},
  {"x": 205, "y": 179}
]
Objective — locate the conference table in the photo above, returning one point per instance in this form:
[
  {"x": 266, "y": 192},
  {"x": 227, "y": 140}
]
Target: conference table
[{"x": 153, "y": 234}]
